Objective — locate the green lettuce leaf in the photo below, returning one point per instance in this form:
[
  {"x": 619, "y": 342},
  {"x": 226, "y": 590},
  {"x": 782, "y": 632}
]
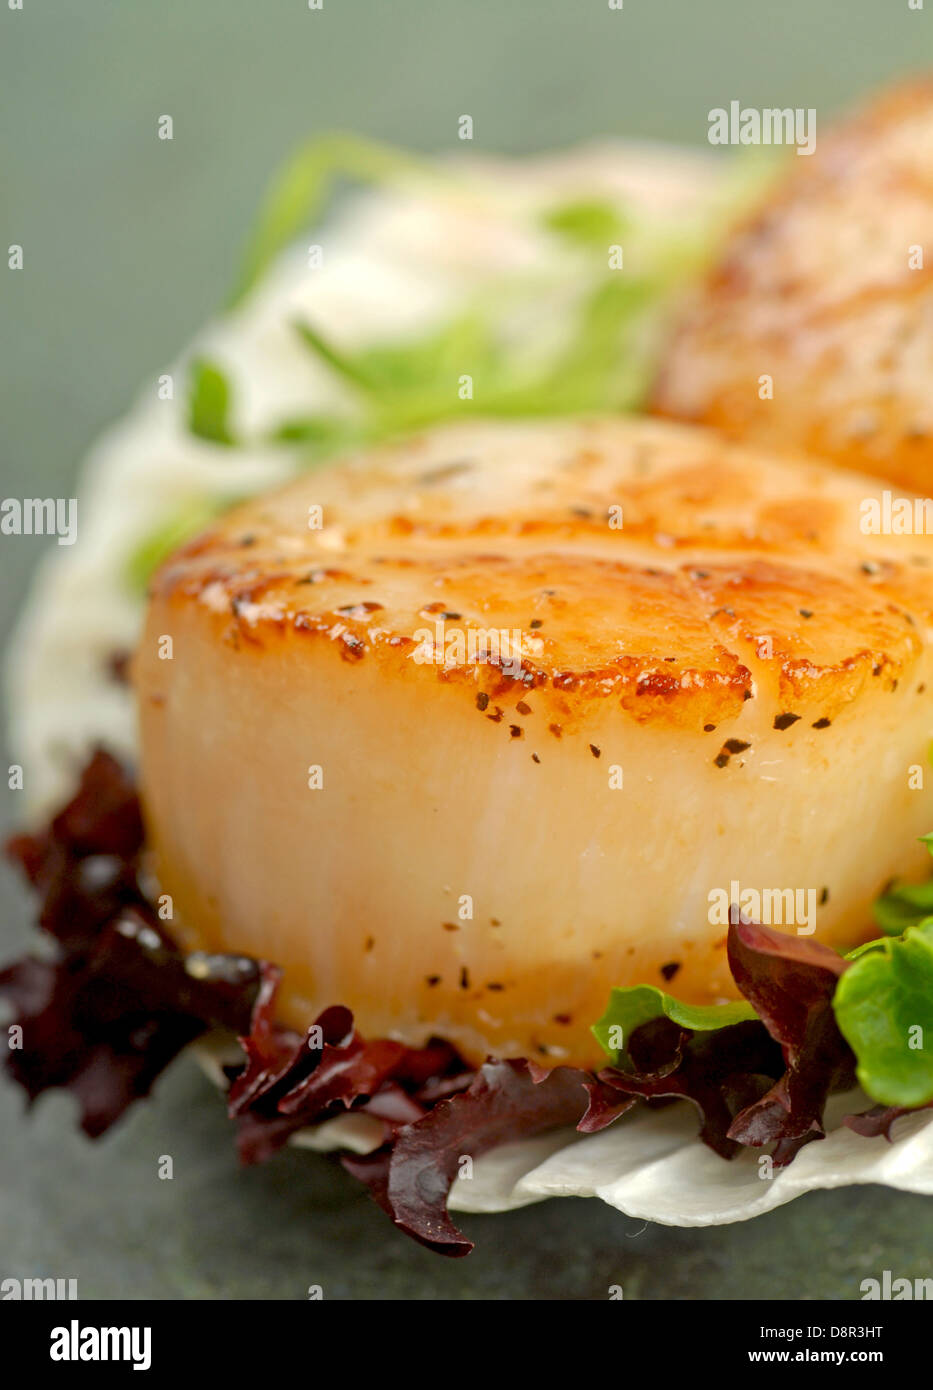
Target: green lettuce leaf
[
  {"x": 193, "y": 516},
  {"x": 628, "y": 1009},
  {"x": 905, "y": 904},
  {"x": 319, "y": 435},
  {"x": 302, "y": 187},
  {"x": 884, "y": 1007},
  {"x": 407, "y": 386},
  {"x": 209, "y": 403},
  {"x": 866, "y": 946},
  {"x": 592, "y": 223},
  {"x": 603, "y": 363}
]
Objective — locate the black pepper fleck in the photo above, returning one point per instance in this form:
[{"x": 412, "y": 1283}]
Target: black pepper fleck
[
  {"x": 352, "y": 648},
  {"x": 731, "y": 745}
]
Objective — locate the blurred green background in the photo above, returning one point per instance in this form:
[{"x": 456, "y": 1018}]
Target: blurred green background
[{"x": 130, "y": 243}]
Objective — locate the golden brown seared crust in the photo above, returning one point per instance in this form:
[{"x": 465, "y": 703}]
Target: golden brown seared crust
[
  {"x": 732, "y": 578},
  {"x": 823, "y": 290}
]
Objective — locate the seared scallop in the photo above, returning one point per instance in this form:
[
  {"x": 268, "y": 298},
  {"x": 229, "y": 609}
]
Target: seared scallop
[
  {"x": 814, "y": 331},
  {"x": 466, "y": 731}
]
